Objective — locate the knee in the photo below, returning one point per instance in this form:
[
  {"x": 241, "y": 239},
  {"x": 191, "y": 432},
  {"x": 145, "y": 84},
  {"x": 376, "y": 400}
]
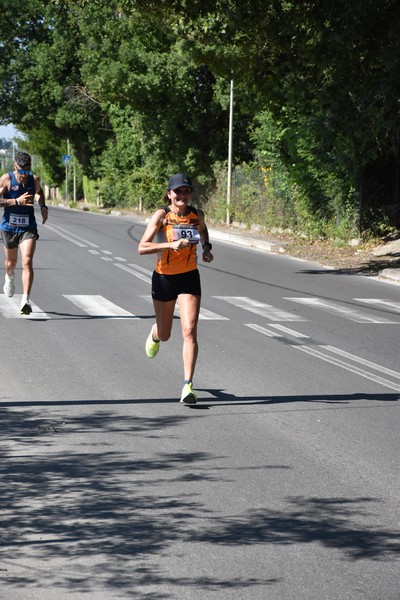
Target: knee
[
  {"x": 27, "y": 263},
  {"x": 189, "y": 332},
  {"x": 164, "y": 337},
  {"x": 163, "y": 334},
  {"x": 10, "y": 263}
]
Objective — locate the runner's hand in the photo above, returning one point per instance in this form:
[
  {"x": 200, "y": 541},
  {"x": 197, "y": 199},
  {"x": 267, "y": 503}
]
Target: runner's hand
[
  {"x": 179, "y": 244},
  {"x": 45, "y": 213},
  {"x": 26, "y": 199},
  {"x": 207, "y": 256}
]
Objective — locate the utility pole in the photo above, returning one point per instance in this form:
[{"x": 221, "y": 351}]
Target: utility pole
[
  {"x": 66, "y": 172},
  {"x": 74, "y": 179},
  {"x": 229, "y": 180}
]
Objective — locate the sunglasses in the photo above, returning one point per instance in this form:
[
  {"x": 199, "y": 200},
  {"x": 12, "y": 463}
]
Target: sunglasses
[{"x": 24, "y": 171}]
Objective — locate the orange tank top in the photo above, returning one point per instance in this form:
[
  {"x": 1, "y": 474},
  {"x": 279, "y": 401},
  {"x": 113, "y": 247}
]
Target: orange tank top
[{"x": 171, "y": 262}]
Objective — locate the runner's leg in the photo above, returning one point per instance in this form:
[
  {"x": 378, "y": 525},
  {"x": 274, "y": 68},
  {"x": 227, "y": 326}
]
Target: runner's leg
[
  {"x": 164, "y": 312},
  {"x": 27, "y": 251},
  {"x": 189, "y": 308},
  {"x": 11, "y": 257}
]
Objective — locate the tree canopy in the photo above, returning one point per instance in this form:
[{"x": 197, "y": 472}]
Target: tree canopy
[{"x": 141, "y": 89}]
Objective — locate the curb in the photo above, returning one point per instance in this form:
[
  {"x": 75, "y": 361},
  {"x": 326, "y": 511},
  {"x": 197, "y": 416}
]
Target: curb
[{"x": 392, "y": 274}]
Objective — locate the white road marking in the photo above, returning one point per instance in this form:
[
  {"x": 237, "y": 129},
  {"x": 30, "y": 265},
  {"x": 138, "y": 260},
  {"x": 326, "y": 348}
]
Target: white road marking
[
  {"x": 136, "y": 271},
  {"x": 295, "y": 334},
  {"x": 361, "y": 361},
  {"x": 348, "y": 367},
  {"x": 142, "y": 269},
  {"x": 10, "y": 309},
  {"x": 205, "y": 315},
  {"x": 120, "y": 259},
  {"x": 380, "y": 302},
  {"x": 263, "y": 330},
  {"x": 260, "y": 308},
  {"x": 208, "y": 315},
  {"x": 71, "y": 237},
  {"x": 324, "y": 352},
  {"x": 339, "y": 309},
  {"x": 98, "y": 306}
]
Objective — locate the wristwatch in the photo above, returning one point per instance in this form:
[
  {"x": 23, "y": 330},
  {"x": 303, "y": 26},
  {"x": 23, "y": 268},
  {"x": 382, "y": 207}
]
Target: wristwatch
[{"x": 207, "y": 244}]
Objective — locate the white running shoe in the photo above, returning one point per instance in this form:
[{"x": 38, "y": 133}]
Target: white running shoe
[{"x": 9, "y": 287}]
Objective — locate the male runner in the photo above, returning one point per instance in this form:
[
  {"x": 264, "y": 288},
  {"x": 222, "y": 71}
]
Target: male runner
[{"x": 18, "y": 228}]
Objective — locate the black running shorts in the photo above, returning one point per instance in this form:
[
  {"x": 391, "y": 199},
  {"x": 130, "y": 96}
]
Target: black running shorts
[{"x": 168, "y": 287}]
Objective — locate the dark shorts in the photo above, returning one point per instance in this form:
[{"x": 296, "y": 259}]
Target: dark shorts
[
  {"x": 168, "y": 287},
  {"x": 13, "y": 240}
]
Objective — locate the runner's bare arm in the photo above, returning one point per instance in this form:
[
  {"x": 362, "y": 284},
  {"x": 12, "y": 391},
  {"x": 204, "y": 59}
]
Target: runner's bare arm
[
  {"x": 41, "y": 201},
  {"x": 205, "y": 240},
  {"x": 4, "y": 187}
]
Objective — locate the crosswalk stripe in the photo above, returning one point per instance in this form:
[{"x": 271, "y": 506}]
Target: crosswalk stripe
[
  {"x": 97, "y": 306},
  {"x": 380, "y": 302},
  {"x": 205, "y": 315},
  {"x": 208, "y": 315},
  {"x": 10, "y": 309},
  {"x": 336, "y": 308},
  {"x": 260, "y": 308}
]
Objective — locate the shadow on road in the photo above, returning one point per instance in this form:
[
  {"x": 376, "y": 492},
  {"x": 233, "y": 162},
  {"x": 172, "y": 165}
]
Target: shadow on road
[{"x": 77, "y": 512}]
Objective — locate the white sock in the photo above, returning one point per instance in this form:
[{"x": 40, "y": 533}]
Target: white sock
[
  {"x": 9, "y": 277},
  {"x": 25, "y": 299}
]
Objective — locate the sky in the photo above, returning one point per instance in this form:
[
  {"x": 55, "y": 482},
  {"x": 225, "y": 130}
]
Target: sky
[{"x": 7, "y": 132}]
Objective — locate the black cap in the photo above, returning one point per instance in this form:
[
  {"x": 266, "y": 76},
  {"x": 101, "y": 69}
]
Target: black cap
[{"x": 179, "y": 180}]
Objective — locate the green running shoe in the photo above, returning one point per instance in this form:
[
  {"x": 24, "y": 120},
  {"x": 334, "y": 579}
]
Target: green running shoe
[
  {"x": 152, "y": 347},
  {"x": 188, "y": 396}
]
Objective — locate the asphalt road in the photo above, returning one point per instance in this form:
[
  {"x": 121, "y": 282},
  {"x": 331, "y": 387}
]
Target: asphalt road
[{"x": 281, "y": 483}]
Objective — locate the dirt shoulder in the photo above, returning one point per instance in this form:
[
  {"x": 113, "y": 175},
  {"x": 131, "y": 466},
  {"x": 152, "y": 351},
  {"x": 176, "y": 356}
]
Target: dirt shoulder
[
  {"x": 356, "y": 257},
  {"x": 364, "y": 258}
]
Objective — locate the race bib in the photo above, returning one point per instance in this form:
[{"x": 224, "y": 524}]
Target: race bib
[
  {"x": 19, "y": 220},
  {"x": 185, "y": 232}
]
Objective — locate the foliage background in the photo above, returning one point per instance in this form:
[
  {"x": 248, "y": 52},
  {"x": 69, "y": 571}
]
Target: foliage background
[{"x": 140, "y": 88}]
